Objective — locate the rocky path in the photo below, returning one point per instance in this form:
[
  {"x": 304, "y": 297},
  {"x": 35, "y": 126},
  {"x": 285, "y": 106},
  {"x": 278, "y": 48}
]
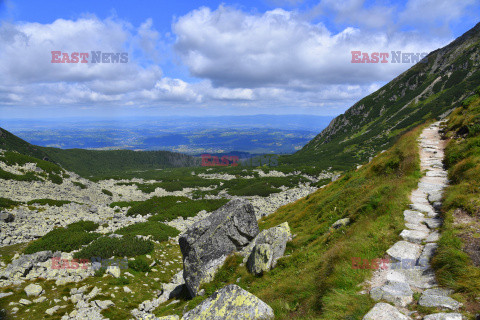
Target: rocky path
[{"x": 409, "y": 271}]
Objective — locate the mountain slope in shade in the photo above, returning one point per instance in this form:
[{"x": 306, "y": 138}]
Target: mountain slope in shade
[
  {"x": 425, "y": 91},
  {"x": 11, "y": 142}
]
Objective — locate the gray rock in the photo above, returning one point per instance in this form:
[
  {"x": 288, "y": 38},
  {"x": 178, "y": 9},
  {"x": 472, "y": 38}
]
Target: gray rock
[
  {"x": 414, "y": 217},
  {"x": 433, "y": 223},
  {"x": 417, "y": 227},
  {"x": 7, "y": 217},
  {"x": 231, "y": 303},
  {"x": 207, "y": 243},
  {"x": 398, "y": 293},
  {"x": 21, "y": 266},
  {"x": 444, "y": 316},
  {"x": 414, "y": 235},
  {"x": 341, "y": 223},
  {"x": 277, "y": 237},
  {"x": 427, "y": 254},
  {"x": 25, "y": 302},
  {"x": 260, "y": 260},
  {"x": 433, "y": 237},
  {"x": 33, "y": 290},
  {"x": 438, "y": 298},
  {"x": 104, "y": 304},
  {"x": 385, "y": 311},
  {"x": 419, "y": 277},
  {"x": 404, "y": 250}
]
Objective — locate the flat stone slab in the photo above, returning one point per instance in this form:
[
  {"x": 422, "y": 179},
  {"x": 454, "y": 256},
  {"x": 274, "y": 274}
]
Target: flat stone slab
[
  {"x": 444, "y": 316},
  {"x": 404, "y": 250},
  {"x": 433, "y": 237},
  {"x": 422, "y": 208},
  {"x": 415, "y": 217},
  {"x": 414, "y": 235},
  {"x": 398, "y": 293},
  {"x": 438, "y": 298},
  {"x": 385, "y": 311},
  {"x": 419, "y": 277},
  {"x": 418, "y": 227},
  {"x": 433, "y": 223}
]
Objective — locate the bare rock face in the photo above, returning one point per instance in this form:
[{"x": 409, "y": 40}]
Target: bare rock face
[
  {"x": 207, "y": 243},
  {"x": 231, "y": 303}
]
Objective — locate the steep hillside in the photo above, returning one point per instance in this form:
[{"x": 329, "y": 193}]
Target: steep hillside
[
  {"x": 425, "y": 91},
  {"x": 10, "y": 142}
]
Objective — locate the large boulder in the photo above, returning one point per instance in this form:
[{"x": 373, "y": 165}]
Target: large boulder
[
  {"x": 207, "y": 243},
  {"x": 255, "y": 254},
  {"x": 231, "y": 303}
]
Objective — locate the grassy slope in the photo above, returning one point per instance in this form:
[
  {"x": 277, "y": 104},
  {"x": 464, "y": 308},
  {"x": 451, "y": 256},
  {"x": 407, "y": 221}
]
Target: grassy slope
[
  {"x": 316, "y": 280},
  {"x": 460, "y": 239},
  {"x": 10, "y": 142}
]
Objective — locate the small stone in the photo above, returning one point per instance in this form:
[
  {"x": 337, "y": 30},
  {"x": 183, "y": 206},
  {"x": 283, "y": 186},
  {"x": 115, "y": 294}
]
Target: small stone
[
  {"x": 25, "y": 302},
  {"x": 385, "y": 311},
  {"x": 444, "y": 316},
  {"x": 33, "y": 290}
]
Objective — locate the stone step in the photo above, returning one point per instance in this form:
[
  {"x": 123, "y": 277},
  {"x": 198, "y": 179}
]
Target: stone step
[
  {"x": 438, "y": 298},
  {"x": 412, "y": 216},
  {"x": 414, "y": 236},
  {"x": 399, "y": 293},
  {"x": 417, "y": 226},
  {"x": 385, "y": 311},
  {"x": 404, "y": 250}
]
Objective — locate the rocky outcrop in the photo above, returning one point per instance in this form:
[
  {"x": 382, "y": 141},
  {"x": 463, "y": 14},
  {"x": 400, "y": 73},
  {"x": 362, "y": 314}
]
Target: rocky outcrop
[
  {"x": 231, "y": 303},
  {"x": 384, "y": 311},
  {"x": 208, "y": 242},
  {"x": 269, "y": 246}
]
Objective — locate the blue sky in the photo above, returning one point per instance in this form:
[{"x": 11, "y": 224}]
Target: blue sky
[{"x": 211, "y": 57}]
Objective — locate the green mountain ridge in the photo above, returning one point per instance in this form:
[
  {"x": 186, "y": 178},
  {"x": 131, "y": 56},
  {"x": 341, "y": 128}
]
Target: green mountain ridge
[{"x": 425, "y": 91}]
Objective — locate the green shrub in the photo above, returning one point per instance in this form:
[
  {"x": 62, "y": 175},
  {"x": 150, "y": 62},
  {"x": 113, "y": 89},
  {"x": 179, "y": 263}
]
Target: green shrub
[
  {"x": 106, "y": 247},
  {"x": 139, "y": 264},
  {"x": 158, "y": 231},
  {"x": 50, "y": 202},
  {"x": 155, "y": 205},
  {"x": 79, "y": 184},
  {"x": 62, "y": 239},
  {"x": 108, "y": 193},
  {"x": 55, "y": 178},
  {"x": 7, "y": 203},
  {"x": 83, "y": 225},
  {"x": 29, "y": 176}
]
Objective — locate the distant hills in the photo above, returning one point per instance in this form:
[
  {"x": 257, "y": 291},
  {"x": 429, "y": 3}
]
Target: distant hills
[
  {"x": 425, "y": 91},
  {"x": 91, "y": 162}
]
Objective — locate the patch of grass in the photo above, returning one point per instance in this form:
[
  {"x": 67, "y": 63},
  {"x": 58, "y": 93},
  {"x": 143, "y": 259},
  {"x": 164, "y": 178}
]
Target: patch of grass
[
  {"x": 73, "y": 237},
  {"x": 106, "y": 247},
  {"x": 50, "y": 202},
  {"x": 79, "y": 184},
  {"x": 108, "y": 193},
  {"x": 140, "y": 264},
  {"x": 6, "y": 203},
  {"x": 454, "y": 264},
  {"x": 158, "y": 230},
  {"x": 55, "y": 178}
]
